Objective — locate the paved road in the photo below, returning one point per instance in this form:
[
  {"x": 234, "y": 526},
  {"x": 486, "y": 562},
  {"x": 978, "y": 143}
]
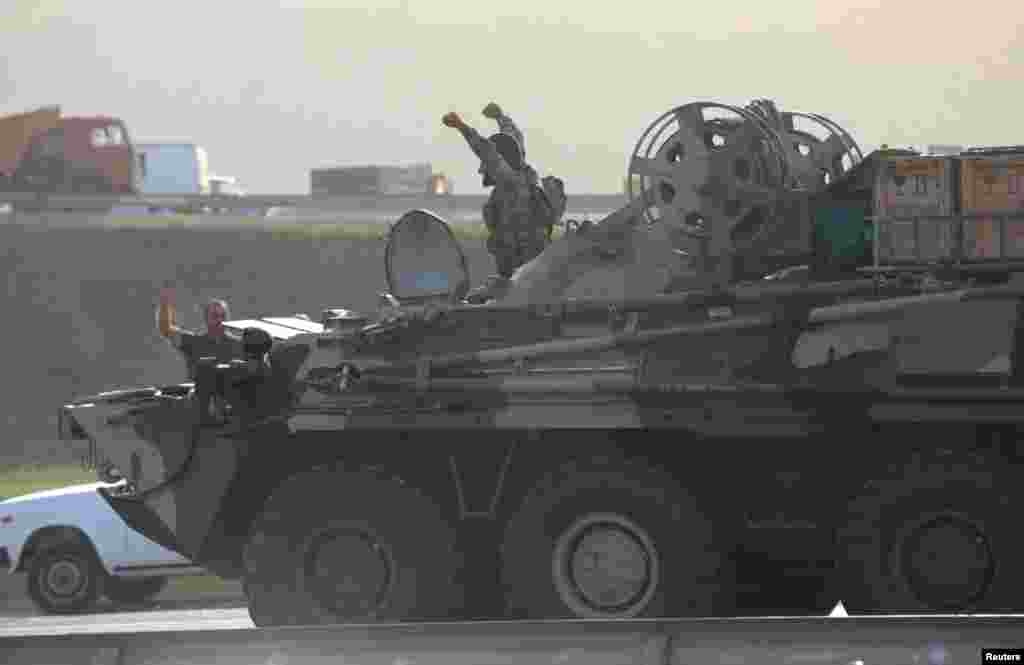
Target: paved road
[
  {"x": 225, "y": 637},
  {"x": 121, "y": 621},
  {"x": 232, "y": 615},
  {"x": 166, "y": 612}
]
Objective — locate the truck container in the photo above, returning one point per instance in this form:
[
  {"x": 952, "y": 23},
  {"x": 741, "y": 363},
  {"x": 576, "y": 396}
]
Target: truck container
[
  {"x": 389, "y": 180},
  {"x": 17, "y": 131},
  {"x": 410, "y": 179},
  {"x": 174, "y": 168}
]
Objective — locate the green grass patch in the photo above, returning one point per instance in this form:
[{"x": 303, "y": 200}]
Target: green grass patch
[
  {"x": 353, "y": 231},
  {"x": 284, "y": 230},
  {"x": 151, "y": 221},
  {"x": 25, "y": 479}
]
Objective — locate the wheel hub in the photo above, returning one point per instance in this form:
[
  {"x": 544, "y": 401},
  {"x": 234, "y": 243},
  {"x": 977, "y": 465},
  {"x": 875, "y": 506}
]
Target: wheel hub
[
  {"x": 948, "y": 563},
  {"x": 607, "y": 566},
  {"x": 349, "y": 572},
  {"x": 64, "y": 579}
]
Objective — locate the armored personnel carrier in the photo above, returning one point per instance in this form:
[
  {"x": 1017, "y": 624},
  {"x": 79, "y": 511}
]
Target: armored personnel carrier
[{"x": 784, "y": 374}]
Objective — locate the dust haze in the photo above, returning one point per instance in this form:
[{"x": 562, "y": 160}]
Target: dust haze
[{"x": 273, "y": 89}]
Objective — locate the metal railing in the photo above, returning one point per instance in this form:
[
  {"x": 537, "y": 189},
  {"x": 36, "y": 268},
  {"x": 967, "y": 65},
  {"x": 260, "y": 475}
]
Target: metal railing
[{"x": 85, "y": 202}]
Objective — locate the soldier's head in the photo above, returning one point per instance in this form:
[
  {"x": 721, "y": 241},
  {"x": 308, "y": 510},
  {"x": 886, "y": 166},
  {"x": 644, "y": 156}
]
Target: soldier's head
[
  {"x": 510, "y": 150},
  {"x": 216, "y": 312}
]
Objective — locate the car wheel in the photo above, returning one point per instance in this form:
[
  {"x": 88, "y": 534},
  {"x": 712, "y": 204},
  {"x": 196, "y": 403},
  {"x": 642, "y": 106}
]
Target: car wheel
[
  {"x": 133, "y": 589},
  {"x": 65, "y": 579}
]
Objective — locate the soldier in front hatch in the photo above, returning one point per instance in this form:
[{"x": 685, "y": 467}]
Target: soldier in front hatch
[
  {"x": 520, "y": 212},
  {"x": 193, "y": 346}
]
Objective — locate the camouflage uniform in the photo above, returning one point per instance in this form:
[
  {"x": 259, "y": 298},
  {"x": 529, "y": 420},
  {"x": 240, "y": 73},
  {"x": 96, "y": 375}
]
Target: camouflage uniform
[{"x": 516, "y": 234}]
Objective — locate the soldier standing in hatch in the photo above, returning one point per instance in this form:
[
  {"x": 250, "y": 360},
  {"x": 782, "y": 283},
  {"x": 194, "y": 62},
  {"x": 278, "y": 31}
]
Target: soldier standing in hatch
[
  {"x": 518, "y": 214},
  {"x": 213, "y": 343}
]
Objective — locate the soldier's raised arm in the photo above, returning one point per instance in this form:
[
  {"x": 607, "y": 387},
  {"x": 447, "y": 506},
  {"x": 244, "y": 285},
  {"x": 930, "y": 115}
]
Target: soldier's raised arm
[
  {"x": 505, "y": 123},
  {"x": 165, "y": 319},
  {"x": 494, "y": 163}
]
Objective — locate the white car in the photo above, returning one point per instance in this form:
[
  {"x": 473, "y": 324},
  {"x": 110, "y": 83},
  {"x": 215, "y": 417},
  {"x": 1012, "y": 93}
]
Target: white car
[{"x": 75, "y": 549}]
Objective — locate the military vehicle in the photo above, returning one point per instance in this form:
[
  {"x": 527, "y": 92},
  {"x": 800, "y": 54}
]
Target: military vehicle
[{"x": 751, "y": 378}]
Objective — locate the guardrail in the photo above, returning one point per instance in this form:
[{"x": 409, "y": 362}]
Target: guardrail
[
  {"x": 198, "y": 201},
  {"x": 934, "y": 640},
  {"x": 578, "y": 203}
]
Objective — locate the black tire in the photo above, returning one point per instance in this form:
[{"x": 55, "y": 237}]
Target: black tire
[
  {"x": 65, "y": 579},
  {"x": 133, "y": 589},
  {"x": 906, "y": 514},
  {"x": 387, "y": 529},
  {"x": 685, "y": 570}
]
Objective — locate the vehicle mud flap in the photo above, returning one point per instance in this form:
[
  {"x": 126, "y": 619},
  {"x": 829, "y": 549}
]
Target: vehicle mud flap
[
  {"x": 199, "y": 465},
  {"x": 141, "y": 518}
]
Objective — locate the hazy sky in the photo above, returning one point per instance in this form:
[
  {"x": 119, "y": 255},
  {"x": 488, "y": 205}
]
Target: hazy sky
[{"x": 274, "y": 88}]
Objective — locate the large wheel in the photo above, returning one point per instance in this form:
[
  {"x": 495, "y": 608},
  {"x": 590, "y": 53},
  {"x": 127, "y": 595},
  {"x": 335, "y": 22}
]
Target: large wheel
[
  {"x": 335, "y": 547},
  {"x": 133, "y": 589},
  {"x": 65, "y": 579},
  {"x": 938, "y": 534},
  {"x": 607, "y": 538}
]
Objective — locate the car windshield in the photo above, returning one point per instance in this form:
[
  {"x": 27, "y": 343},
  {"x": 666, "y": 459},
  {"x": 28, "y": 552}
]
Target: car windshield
[{"x": 99, "y": 137}]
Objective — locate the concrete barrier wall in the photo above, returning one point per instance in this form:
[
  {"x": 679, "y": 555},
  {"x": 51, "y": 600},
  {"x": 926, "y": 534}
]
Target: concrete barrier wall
[
  {"x": 454, "y": 209},
  {"x": 79, "y": 311},
  {"x": 156, "y": 639}
]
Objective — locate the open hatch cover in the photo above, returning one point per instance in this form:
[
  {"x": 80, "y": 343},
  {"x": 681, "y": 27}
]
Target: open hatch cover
[{"x": 424, "y": 260}]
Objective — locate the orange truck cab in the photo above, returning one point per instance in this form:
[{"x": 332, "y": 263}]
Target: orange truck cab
[{"x": 44, "y": 152}]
